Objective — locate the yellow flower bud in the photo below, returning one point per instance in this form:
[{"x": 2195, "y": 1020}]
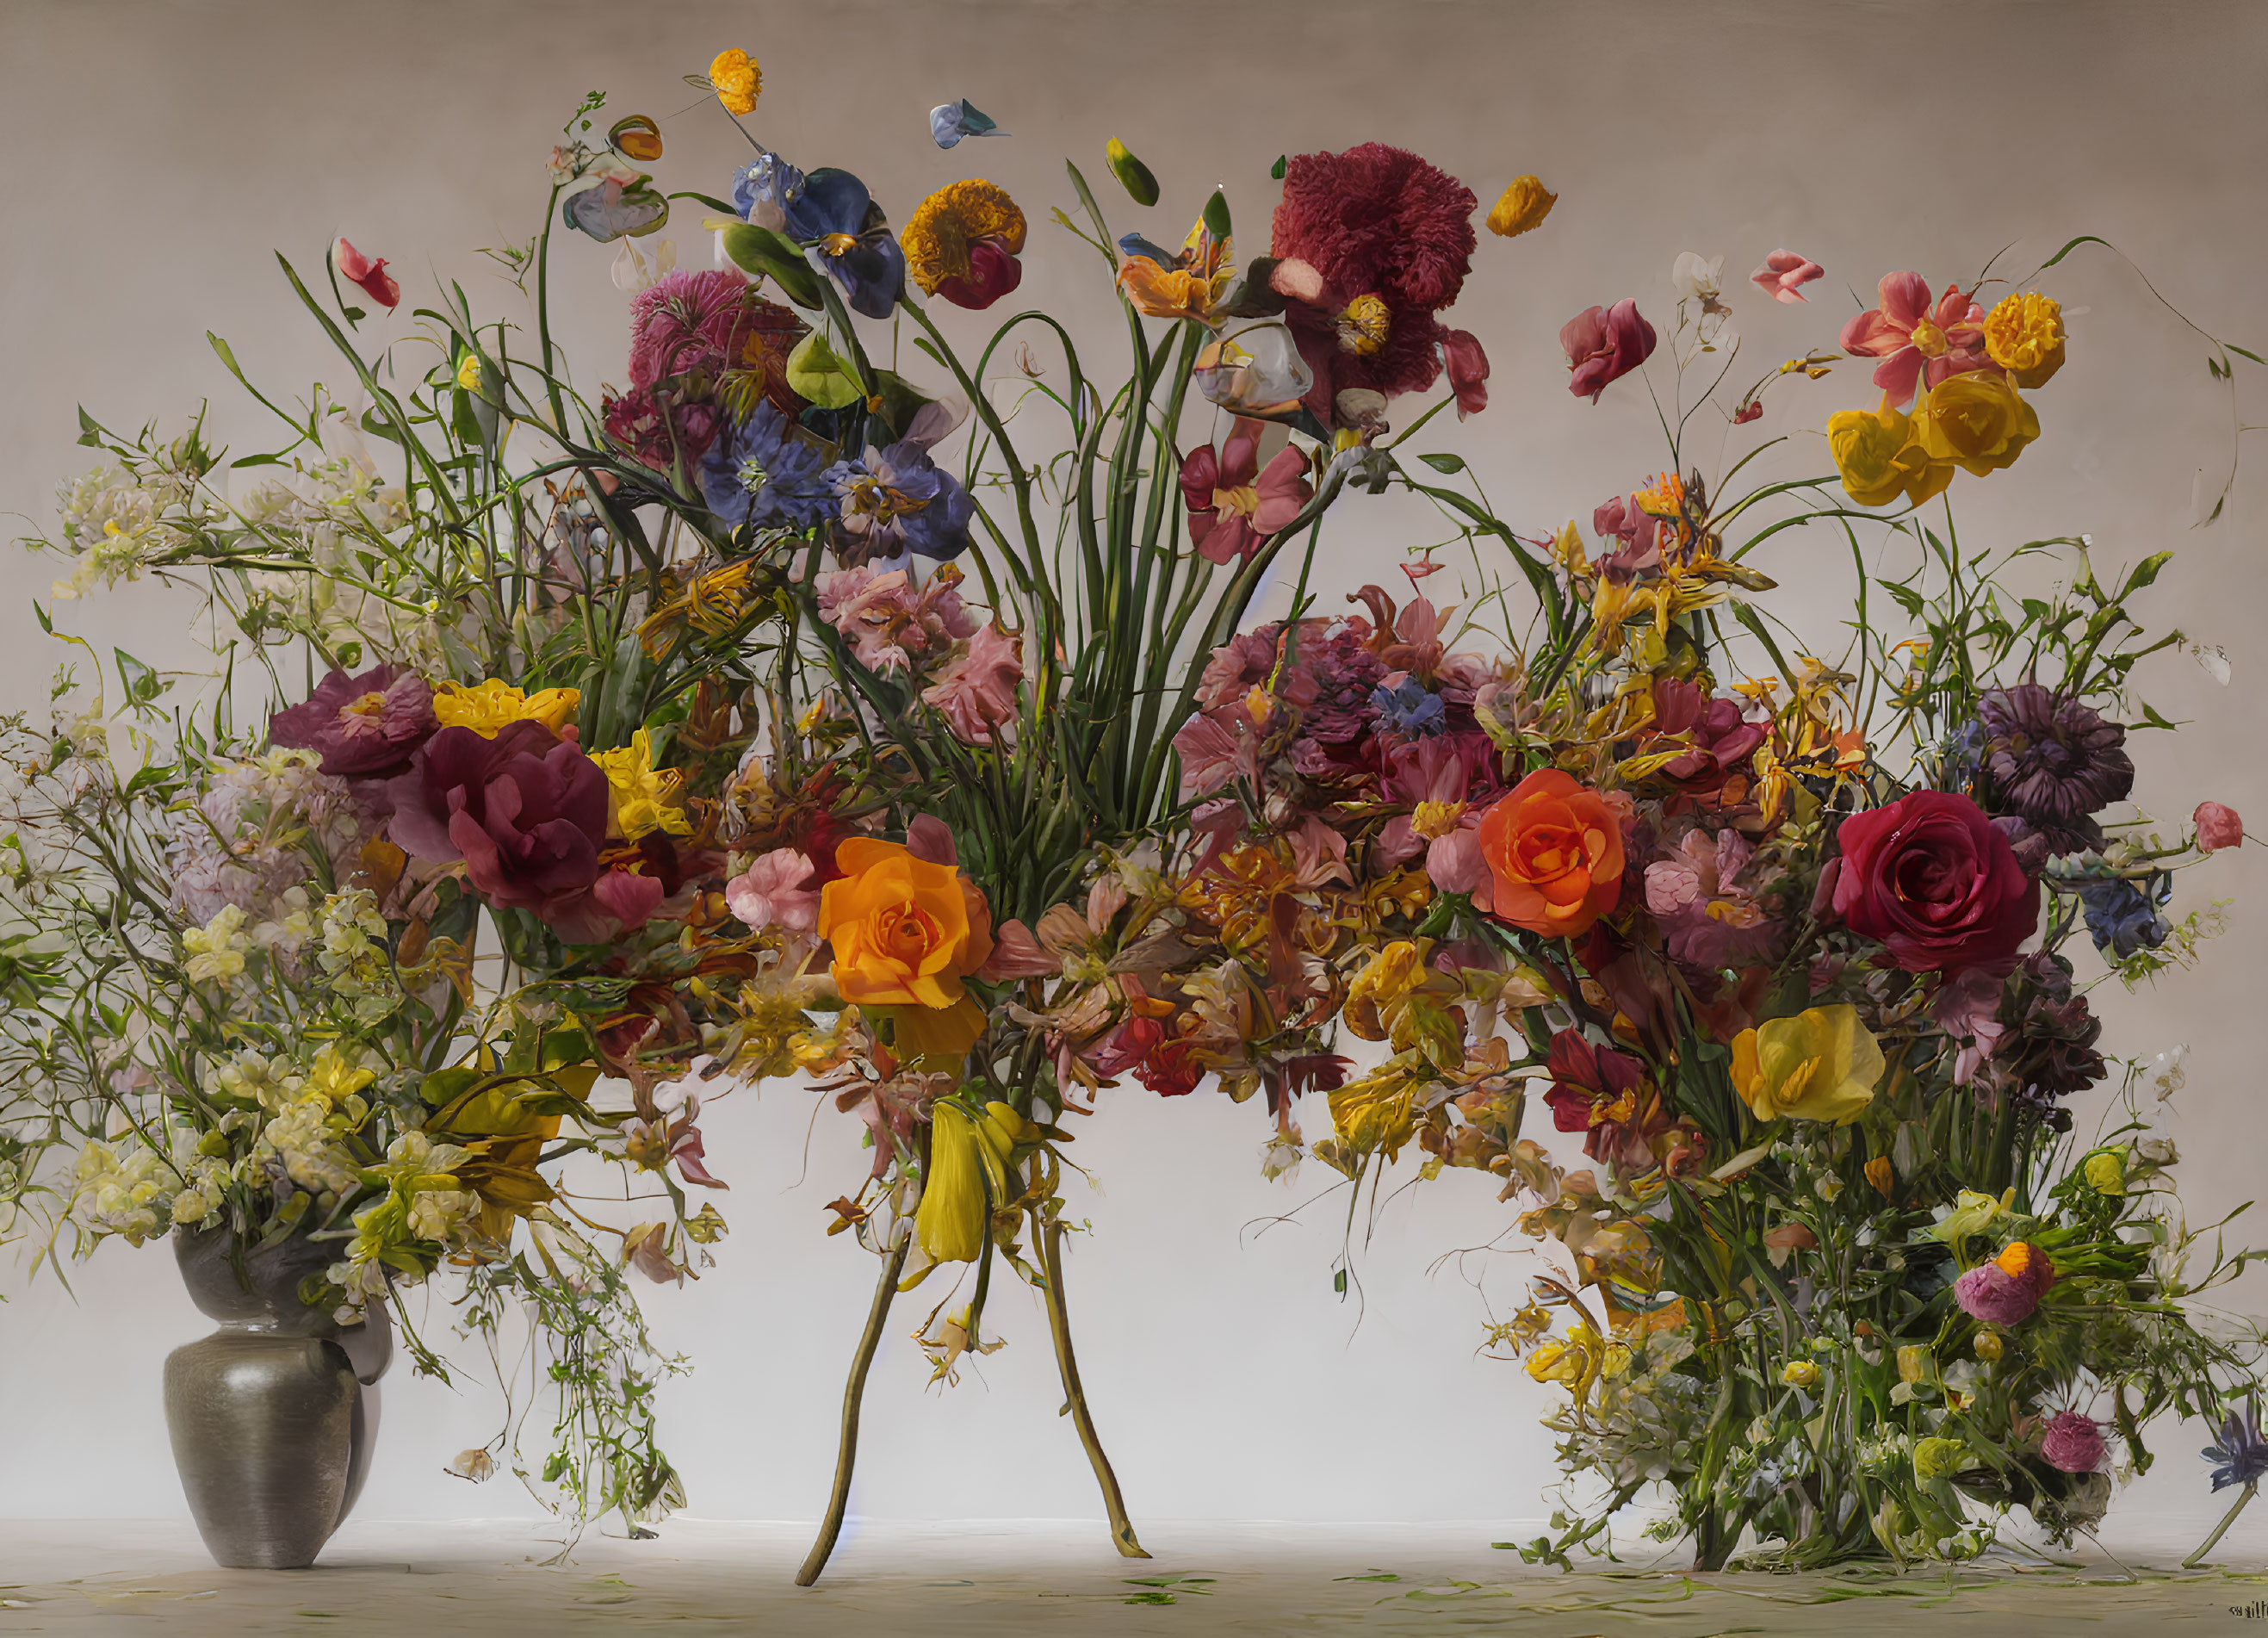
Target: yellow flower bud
[
  {"x": 2105, "y": 1171},
  {"x": 1132, "y": 174},
  {"x": 1799, "y": 1374},
  {"x": 1939, "y": 1458},
  {"x": 1988, "y": 1346},
  {"x": 950, "y": 1222}
]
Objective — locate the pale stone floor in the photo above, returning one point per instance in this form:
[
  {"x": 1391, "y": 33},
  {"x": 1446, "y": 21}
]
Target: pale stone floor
[{"x": 425, "y": 1579}]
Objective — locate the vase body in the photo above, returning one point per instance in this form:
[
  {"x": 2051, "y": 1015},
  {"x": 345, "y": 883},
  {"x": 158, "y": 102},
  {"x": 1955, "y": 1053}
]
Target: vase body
[{"x": 274, "y": 1415}]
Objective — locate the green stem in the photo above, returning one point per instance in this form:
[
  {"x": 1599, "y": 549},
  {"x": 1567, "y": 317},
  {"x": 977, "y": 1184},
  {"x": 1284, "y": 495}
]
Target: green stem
[
  {"x": 853, "y": 1390},
  {"x": 1121, "y": 1529},
  {"x": 2221, "y": 1529}
]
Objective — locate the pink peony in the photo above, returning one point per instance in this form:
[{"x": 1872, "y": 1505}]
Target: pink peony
[
  {"x": 975, "y": 691},
  {"x": 1603, "y": 344},
  {"x": 2074, "y": 1443},
  {"x": 1914, "y": 341},
  {"x": 1783, "y": 272},
  {"x": 364, "y": 728},
  {"x": 773, "y": 892},
  {"x": 1707, "y": 918},
  {"x": 2217, "y": 827}
]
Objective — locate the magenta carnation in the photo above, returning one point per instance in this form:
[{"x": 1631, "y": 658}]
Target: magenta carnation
[
  {"x": 364, "y": 727},
  {"x": 2072, "y": 1444},
  {"x": 1379, "y": 222}
]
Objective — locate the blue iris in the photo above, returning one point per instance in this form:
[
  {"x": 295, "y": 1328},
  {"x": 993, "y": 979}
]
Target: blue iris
[
  {"x": 897, "y": 501},
  {"x": 2240, "y": 1455},
  {"x": 831, "y": 214},
  {"x": 759, "y": 472},
  {"x": 1408, "y": 710},
  {"x": 2122, "y": 918}
]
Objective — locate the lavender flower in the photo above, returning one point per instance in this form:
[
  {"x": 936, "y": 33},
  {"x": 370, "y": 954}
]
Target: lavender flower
[
  {"x": 1408, "y": 710},
  {"x": 761, "y": 473},
  {"x": 2053, "y": 761}
]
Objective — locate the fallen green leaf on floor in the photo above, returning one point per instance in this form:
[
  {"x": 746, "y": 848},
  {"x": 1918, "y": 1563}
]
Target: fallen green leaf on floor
[
  {"x": 1158, "y": 1585},
  {"x": 1373, "y": 1575}
]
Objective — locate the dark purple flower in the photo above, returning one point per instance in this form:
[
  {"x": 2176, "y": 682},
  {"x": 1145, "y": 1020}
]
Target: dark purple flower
[
  {"x": 2074, "y": 1443},
  {"x": 829, "y": 211},
  {"x": 527, "y": 811},
  {"x": 2122, "y": 918},
  {"x": 2054, "y": 761},
  {"x": 897, "y": 501},
  {"x": 2240, "y": 1455},
  {"x": 2046, "y": 1049},
  {"x": 365, "y": 727},
  {"x": 759, "y": 472}
]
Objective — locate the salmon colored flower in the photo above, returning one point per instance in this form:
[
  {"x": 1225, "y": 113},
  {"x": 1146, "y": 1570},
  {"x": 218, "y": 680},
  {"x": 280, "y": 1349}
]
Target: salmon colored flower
[
  {"x": 1783, "y": 273},
  {"x": 1555, "y": 855},
  {"x": 975, "y": 691},
  {"x": 1234, "y": 507},
  {"x": 1522, "y": 207},
  {"x": 737, "y": 80},
  {"x": 2023, "y": 335},
  {"x": 1913, "y": 340},
  {"x": 2218, "y": 826}
]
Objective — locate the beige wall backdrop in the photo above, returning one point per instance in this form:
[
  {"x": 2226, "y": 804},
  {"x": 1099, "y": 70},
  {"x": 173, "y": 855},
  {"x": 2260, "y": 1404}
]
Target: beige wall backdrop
[{"x": 158, "y": 153}]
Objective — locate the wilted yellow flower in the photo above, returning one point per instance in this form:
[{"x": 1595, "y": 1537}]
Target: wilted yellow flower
[
  {"x": 645, "y": 800},
  {"x": 1972, "y": 1213},
  {"x": 1819, "y": 1065},
  {"x": 1917, "y": 1364},
  {"x": 1880, "y": 458},
  {"x": 1373, "y": 1112},
  {"x": 489, "y": 707},
  {"x": 468, "y": 372},
  {"x": 1878, "y": 1173},
  {"x": 737, "y": 81},
  {"x": 2023, "y": 335},
  {"x": 1390, "y": 976},
  {"x": 1977, "y": 421},
  {"x": 1523, "y": 206}
]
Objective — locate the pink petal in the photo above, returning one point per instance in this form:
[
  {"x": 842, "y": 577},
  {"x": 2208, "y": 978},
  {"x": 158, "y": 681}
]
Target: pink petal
[
  {"x": 929, "y": 838},
  {"x": 1016, "y": 953},
  {"x": 1905, "y": 298}
]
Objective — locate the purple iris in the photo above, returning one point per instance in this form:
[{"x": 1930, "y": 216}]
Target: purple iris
[
  {"x": 897, "y": 500},
  {"x": 1408, "y": 710},
  {"x": 828, "y": 211},
  {"x": 761, "y": 473},
  {"x": 2240, "y": 1455}
]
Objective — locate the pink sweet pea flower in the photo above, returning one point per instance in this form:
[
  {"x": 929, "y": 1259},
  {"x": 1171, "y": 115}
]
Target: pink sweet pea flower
[
  {"x": 771, "y": 892},
  {"x": 1603, "y": 344},
  {"x": 1782, "y": 272},
  {"x": 1234, "y": 506},
  {"x": 358, "y": 269},
  {"x": 1914, "y": 341},
  {"x": 2217, "y": 827},
  {"x": 976, "y": 691},
  {"x": 1469, "y": 370}
]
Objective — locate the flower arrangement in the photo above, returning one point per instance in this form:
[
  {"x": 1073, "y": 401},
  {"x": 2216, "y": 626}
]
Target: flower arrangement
[{"x": 571, "y": 760}]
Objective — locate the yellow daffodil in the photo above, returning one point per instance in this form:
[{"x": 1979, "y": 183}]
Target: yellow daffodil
[
  {"x": 1523, "y": 206},
  {"x": 1979, "y": 421},
  {"x": 1880, "y": 457},
  {"x": 737, "y": 80},
  {"x": 645, "y": 800},
  {"x": 1819, "y": 1065},
  {"x": 2023, "y": 335},
  {"x": 489, "y": 707}
]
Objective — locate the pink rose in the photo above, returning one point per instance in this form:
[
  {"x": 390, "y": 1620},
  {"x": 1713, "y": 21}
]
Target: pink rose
[
  {"x": 2074, "y": 1443},
  {"x": 1603, "y": 344},
  {"x": 771, "y": 892},
  {"x": 2217, "y": 827},
  {"x": 1782, "y": 272}
]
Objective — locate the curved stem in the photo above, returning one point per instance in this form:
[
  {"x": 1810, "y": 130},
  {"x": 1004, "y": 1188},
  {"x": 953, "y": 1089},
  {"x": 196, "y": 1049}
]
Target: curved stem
[
  {"x": 847, "y": 1454},
  {"x": 2221, "y": 1529},
  {"x": 1121, "y": 1529}
]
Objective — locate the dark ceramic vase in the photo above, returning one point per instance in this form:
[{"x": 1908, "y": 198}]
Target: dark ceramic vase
[{"x": 272, "y": 1416}]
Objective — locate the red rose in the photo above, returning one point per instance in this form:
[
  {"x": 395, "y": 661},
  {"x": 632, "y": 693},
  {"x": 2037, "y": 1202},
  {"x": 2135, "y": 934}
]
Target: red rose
[{"x": 1931, "y": 878}]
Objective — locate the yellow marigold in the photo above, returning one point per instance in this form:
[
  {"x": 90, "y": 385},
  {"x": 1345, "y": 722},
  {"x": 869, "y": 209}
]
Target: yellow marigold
[
  {"x": 2023, "y": 335},
  {"x": 937, "y": 237},
  {"x": 737, "y": 81},
  {"x": 644, "y": 799},
  {"x": 489, "y": 707},
  {"x": 1524, "y": 205}
]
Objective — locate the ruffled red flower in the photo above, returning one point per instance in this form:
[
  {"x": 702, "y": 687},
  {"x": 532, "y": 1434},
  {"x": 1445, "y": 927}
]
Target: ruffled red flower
[{"x": 1373, "y": 221}]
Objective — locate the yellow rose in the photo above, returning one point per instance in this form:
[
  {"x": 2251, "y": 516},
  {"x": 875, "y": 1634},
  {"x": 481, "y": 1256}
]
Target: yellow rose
[
  {"x": 1877, "y": 453},
  {"x": 1976, "y": 420},
  {"x": 1799, "y": 1374},
  {"x": 488, "y": 708},
  {"x": 906, "y": 933},
  {"x": 1819, "y": 1065},
  {"x": 737, "y": 81},
  {"x": 1524, "y": 205},
  {"x": 2023, "y": 335}
]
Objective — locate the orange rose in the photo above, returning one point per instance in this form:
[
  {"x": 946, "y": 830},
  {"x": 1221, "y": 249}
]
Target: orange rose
[
  {"x": 905, "y": 932},
  {"x": 1555, "y": 853}
]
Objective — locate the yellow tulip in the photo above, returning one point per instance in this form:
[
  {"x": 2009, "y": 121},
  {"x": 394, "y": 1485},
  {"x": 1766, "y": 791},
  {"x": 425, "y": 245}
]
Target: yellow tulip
[
  {"x": 1819, "y": 1065},
  {"x": 950, "y": 1220}
]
